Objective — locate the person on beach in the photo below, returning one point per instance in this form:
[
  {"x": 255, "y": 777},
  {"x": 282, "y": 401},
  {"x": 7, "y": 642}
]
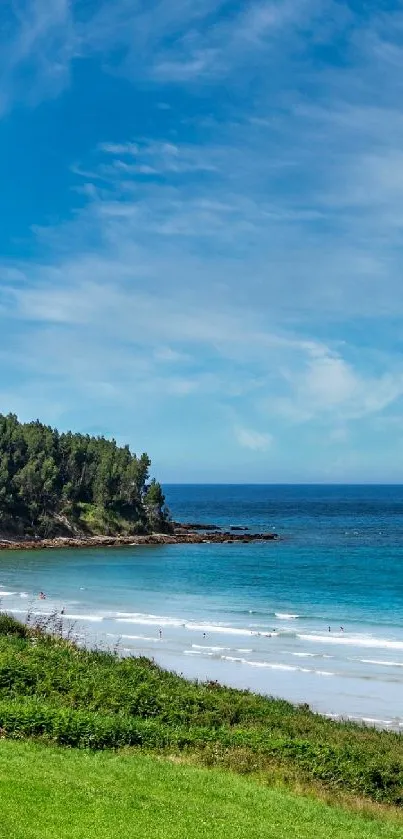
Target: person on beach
[{"x": 160, "y": 633}]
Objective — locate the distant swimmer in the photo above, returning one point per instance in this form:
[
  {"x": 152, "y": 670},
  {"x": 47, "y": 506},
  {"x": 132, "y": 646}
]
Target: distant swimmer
[
  {"x": 42, "y": 596},
  {"x": 329, "y": 629},
  {"x": 204, "y": 635},
  {"x": 160, "y": 633},
  {"x": 62, "y": 611},
  {"x": 342, "y": 629}
]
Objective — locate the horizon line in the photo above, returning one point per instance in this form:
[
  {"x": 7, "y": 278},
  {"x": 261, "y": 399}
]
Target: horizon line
[{"x": 285, "y": 483}]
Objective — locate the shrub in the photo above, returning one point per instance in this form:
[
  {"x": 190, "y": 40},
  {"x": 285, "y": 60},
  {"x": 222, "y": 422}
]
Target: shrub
[{"x": 10, "y": 626}]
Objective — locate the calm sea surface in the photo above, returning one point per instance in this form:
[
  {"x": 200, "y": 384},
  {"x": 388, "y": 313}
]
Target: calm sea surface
[{"x": 316, "y": 617}]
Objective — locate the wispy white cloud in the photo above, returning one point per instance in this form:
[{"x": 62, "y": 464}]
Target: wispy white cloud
[
  {"x": 338, "y": 435},
  {"x": 327, "y": 386},
  {"x": 170, "y": 356},
  {"x": 119, "y": 148},
  {"x": 37, "y": 43},
  {"x": 168, "y": 290},
  {"x": 183, "y": 41},
  {"x": 178, "y": 42},
  {"x": 256, "y": 441},
  {"x": 282, "y": 374},
  {"x": 153, "y": 157}
]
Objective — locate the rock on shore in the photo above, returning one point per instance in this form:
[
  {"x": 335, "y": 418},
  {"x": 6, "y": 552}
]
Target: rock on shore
[{"x": 181, "y": 535}]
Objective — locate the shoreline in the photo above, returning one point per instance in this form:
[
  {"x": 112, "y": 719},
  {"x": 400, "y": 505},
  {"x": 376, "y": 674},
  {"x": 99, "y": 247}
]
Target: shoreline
[
  {"x": 207, "y": 657},
  {"x": 82, "y": 698},
  {"x": 195, "y": 534},
  {"x": 277, "y": 687}
]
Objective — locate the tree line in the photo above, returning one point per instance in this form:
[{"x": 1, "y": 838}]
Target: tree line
[{"x": 51, "y": 480}]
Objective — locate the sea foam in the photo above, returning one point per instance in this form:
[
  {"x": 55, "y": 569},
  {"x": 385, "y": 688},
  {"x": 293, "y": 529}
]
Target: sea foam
[
  {"x": 92, "y": 618},
  {"x": 276, "y": 666},
  {"x": 141, "y": 638},
  {"x": 354, "y": 640},
  {"x": 284, "y": 616},
  {"x": 381, "y": 663}
]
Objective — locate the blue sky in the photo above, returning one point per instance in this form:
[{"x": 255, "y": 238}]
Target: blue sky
[{"x": 201, "y": 230}]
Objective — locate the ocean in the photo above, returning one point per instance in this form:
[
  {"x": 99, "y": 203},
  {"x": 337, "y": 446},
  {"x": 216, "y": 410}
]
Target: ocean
[{"x": 316, "y": 617}]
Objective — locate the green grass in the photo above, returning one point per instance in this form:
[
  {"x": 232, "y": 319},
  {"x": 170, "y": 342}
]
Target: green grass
[
  {"x": 102, "y": 522},
  {"x": 54, "y": 793},
  {"x": 52, "y": 690}
]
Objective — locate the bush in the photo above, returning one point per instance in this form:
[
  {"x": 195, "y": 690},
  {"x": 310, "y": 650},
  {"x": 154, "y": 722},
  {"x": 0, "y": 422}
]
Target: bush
[{"x": 9, "y": 626}]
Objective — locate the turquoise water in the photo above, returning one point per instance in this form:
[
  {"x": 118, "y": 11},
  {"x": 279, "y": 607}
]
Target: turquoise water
[{"x": 253, "y": 615}]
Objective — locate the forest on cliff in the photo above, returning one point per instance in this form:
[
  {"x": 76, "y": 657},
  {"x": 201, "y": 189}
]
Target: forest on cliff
[{"x": 62, "y": 483}]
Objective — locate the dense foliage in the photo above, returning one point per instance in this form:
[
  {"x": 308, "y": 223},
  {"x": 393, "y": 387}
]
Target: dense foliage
[
  {"x": 77, "y": 697},
  {"x": 50, "y": 482}
]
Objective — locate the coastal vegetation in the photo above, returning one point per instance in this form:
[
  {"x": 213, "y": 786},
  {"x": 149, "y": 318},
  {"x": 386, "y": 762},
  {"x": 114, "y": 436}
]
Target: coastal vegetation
[
  {"x": 54, "y": 483},
  {"x": 66, "y": 695}
]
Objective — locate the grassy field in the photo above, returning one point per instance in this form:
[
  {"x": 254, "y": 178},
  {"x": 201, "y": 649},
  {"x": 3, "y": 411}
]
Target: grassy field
[{"x": 48, "y": 792}]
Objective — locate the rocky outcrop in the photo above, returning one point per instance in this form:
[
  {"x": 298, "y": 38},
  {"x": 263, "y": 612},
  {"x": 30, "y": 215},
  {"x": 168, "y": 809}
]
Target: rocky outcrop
[
  {"x": 184, "y": 526},
  {"x": 181, "y": 535}
]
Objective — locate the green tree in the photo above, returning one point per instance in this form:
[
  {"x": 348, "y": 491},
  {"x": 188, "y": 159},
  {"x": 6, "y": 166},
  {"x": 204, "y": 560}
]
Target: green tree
[
  {"x": 46, "y": 477},
  {"x": 154, "y": 502}
]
